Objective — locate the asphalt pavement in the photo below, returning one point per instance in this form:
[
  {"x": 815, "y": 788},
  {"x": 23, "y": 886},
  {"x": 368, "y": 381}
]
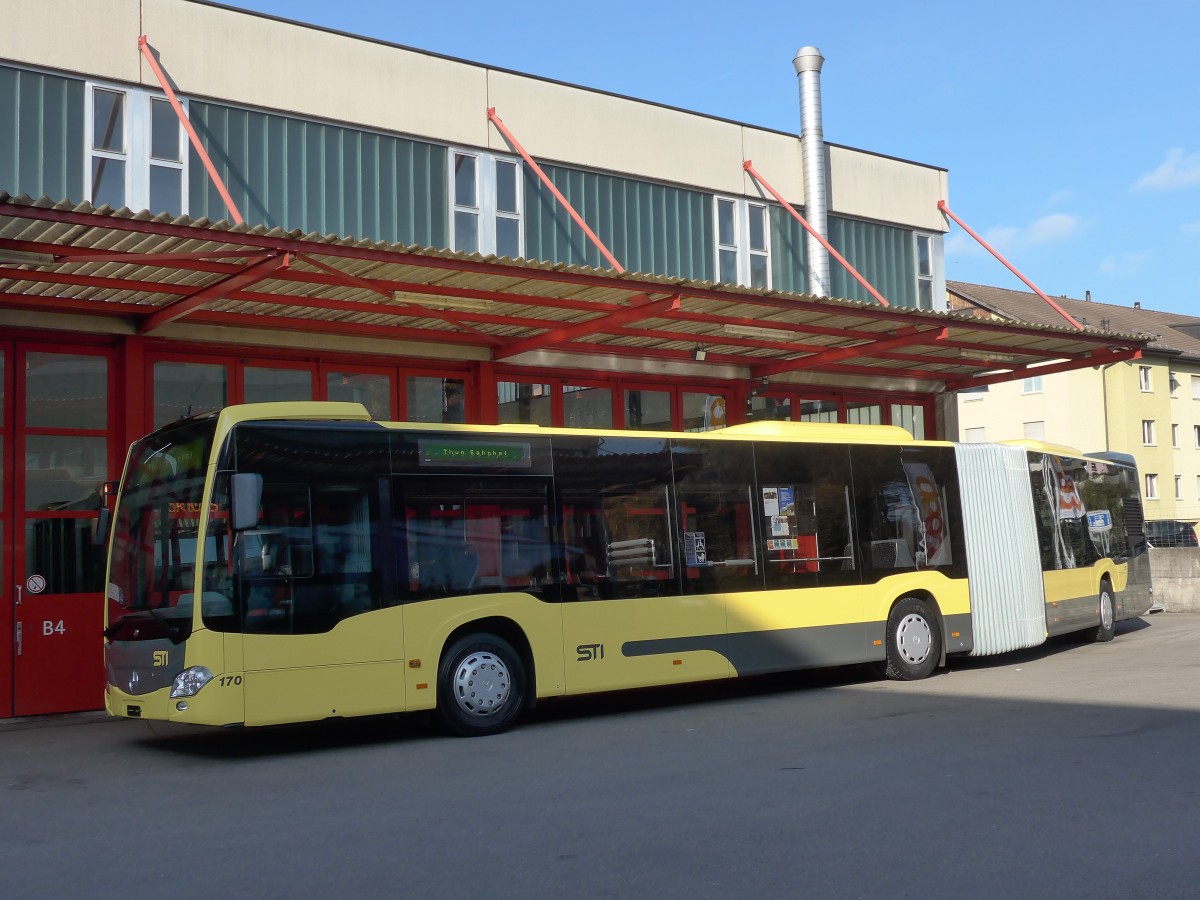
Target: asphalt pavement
[{"x": 1065, "y": 771}]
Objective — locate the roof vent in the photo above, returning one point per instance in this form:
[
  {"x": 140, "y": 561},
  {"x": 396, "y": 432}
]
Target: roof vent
[{"x": 1137, "y": 304}]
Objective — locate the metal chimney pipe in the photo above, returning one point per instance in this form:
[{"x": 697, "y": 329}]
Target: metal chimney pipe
[{"x": 808, "y": 61}]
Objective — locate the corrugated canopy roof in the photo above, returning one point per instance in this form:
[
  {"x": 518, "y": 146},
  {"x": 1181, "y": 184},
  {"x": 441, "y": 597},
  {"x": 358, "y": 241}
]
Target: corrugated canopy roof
[
  {"x": 1167, "y": 332},
  {"x": 153, "y": 270}
]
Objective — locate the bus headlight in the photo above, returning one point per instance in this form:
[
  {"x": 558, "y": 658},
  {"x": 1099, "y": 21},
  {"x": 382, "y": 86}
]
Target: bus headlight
[{"x": 189, "y": 681}]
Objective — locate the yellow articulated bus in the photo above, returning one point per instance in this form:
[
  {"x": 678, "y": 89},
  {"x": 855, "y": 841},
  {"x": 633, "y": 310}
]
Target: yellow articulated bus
[{"x": 292, "y": 562}]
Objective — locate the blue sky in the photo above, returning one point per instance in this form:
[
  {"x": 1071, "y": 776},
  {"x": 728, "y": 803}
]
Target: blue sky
[{"x": 1070, "y": 129}]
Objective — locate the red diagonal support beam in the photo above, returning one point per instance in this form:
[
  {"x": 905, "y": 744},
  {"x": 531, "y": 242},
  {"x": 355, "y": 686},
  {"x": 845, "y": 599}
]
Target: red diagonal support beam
[
  {"x": 144, "y": 46},
  {"x": 906, "y": 338},
  {"x": 942, "y": 205},
  {"x": 1096, "y": 358},
  {"x": 580, "y": 329},
  {"x": 516, "y": 145},
  {"x": 180, "y": 308},
  {"x": 749, "y": 167}
]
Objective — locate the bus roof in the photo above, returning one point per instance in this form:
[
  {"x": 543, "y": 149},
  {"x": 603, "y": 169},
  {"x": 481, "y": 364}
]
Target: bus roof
[{"x": 800, "y": 432}]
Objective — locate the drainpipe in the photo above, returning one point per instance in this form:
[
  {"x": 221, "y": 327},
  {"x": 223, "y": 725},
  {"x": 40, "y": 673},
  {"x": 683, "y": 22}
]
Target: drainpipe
[{"x": 808, "y": 61}]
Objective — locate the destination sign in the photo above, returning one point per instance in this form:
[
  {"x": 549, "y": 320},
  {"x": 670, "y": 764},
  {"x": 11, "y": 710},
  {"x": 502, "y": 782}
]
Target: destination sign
[{"x": 515, "y": 455}]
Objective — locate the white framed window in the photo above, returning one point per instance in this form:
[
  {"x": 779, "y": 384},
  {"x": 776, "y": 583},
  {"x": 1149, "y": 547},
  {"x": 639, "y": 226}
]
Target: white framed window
[
  {"x": 1196, "y": 435},
  {"x": 743, "y": 242},
  {"x": 487, "y": 199},
  {"x": 1175, "y": 435},
  {"x": 759, "y": 245},
  {"x": 1145, "y": 381},
  {"x": 924, "y": 251},
  {"x": 975, "y": 393},
  {"x": 1198, "y": 487},
  {"x": 509, "y": 234},
  {"x": 1032, "y": 385},
  {"x": 108, "y": 148},
  {"x": 727, "y": 243},
  {"x": 1196, "y": 387},
  {"x": 1174, "y": 386},
  {"x": 1148, "y": 432},
  {"x": 464, "y": 189},
  {"x": 975, "y": 435},
  {"x": 136, "y": 150},
  {"x": 1151, "y": 486},
  {"x": 1034, "y": 431},
  {"x": 166, "y": 141},
  {"x": 1178, "y": 487}
]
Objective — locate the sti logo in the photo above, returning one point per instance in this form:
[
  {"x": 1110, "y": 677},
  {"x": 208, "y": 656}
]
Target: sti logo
[
  {"x": 160, "y": 658},
  {"x": 590, "y": 652}
]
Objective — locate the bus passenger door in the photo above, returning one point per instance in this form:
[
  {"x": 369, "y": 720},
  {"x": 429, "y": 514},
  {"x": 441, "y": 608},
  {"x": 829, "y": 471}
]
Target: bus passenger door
[
  {"x": 626, "y": 622},
  {"x": 319, "y": 639}
]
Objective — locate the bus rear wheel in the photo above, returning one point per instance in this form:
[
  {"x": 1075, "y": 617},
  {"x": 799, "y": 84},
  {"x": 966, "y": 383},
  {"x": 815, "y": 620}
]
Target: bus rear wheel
[
  {"x": 914, "y": 641},
  {"x": 481, "y": 685},
  {"x": 1107, "y": 629}
]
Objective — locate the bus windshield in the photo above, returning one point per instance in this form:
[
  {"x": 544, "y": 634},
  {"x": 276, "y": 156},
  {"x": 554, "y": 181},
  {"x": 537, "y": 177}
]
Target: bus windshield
[{"x": 154, "y": 536}]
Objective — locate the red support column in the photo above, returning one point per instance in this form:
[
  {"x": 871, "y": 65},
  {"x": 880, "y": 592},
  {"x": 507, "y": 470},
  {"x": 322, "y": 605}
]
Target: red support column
[
  {"x": 486, "y": 411},
  {"x": 133, "y": 392}
]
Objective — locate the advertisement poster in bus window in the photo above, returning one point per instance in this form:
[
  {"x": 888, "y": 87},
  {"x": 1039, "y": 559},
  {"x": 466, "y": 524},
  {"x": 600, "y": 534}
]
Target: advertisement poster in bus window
[
  {"x": 1063, "y": 497},
  {"x": 932, "y": 508},
  {"x": 1069, "y": 504}
]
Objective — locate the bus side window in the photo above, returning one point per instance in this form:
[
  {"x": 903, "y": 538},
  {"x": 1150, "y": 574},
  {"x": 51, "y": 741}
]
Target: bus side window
[
  {"x": 891, "y": 533},
  {"x": 717, "y": 524},
  {"x": 637, "y": 553},
  {"x": 804, "y": 503},
  {"x": 616, "y": 518},
  {"x": 346, "y": 579},
  {"x": 463, "y": 536}
]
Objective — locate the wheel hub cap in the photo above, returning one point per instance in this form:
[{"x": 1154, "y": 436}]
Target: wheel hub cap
[
  {"x": 914, "y": 640},
  {"x": 482, "y": 684}
]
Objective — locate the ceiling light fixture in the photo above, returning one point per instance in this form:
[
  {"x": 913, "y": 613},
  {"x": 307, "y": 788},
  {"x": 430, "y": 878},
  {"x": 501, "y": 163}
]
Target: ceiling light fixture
[
  {"x": 699, "y": 354},
  {"x": 774, "y": 334},
  {"x": 986, "y": 356},
  {"x": 432, "y": 301},
  {"x": 25, "y": 258}
]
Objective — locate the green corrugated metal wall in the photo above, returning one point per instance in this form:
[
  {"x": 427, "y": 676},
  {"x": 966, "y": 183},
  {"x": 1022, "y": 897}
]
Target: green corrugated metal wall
[
  {"x": 313, "y": 176},
  {"x": 323, "y": 178},
  {"x": 882, "y": 254},
  {"x": 651, "y": 228},
  {"x": 41, "y": 135},
  {"x": 789, "y": 252}
]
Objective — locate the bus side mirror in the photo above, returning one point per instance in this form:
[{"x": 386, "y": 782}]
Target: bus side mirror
[
  {"x": 245, "y": 498},
  {"x": 103, "y": 526}
]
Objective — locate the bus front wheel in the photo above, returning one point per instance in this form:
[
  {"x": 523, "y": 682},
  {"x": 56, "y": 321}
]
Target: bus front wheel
[
  {"x": 481, "y": 685},
  {"x": 914, "y": 641},
  {"x": 1107, "y": 628}
]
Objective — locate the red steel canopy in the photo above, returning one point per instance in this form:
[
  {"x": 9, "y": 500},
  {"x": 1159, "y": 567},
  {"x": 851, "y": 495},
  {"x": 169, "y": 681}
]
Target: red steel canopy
[{"x": 150, "y": 271}]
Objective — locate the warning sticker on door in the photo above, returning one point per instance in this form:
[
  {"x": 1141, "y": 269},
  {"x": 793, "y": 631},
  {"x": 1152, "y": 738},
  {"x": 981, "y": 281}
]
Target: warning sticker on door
[{"x": 35, "y": 584}]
